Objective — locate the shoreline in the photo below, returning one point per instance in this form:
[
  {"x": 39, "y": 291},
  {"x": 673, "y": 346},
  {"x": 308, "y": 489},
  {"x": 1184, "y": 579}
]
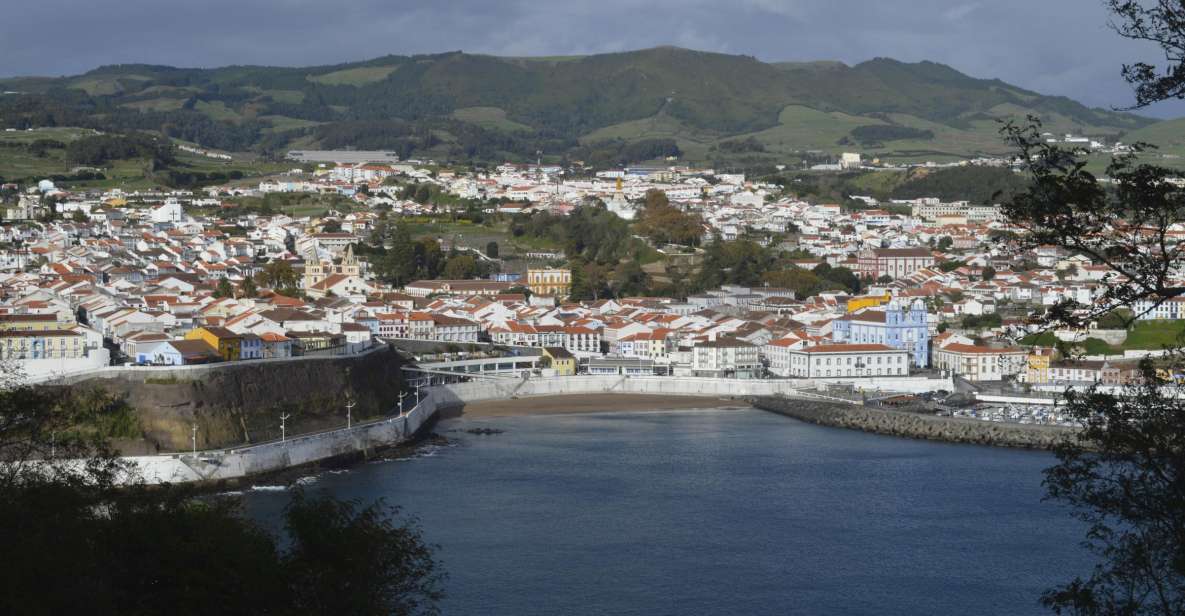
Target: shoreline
[{"x": 580, "y": 404}]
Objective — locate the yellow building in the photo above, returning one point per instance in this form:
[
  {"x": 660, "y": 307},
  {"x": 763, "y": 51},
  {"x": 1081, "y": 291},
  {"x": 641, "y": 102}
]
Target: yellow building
[
  {"x": 1037, "y": 372},
  {"x": 868, "y": 301},
  {"x": 33, "y": 323},
  {"x": 42, "y": 344},
  {"x": 555, "y": 281},
  {"x": 228, "y": 343},
  {"x": 563, "y": 362}
]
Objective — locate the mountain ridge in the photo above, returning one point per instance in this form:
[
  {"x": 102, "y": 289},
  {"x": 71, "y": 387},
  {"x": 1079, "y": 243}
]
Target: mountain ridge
[{"x": 458, "y": 105}]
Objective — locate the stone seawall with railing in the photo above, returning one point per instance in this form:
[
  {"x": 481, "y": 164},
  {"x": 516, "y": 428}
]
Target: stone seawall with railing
[{"x": 916, "y": 425}]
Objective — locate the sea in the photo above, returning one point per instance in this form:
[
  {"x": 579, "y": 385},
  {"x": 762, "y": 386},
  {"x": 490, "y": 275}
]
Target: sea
[{"x": 719, "y": 511}]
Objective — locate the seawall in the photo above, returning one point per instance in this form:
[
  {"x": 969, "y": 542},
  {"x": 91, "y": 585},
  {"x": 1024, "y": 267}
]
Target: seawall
[
  {"x": 238, "y": 403},
  {"x": 915, "y": 425},
  {"x": 458, "y": 394},
  {"x": 227, "y": 466}
]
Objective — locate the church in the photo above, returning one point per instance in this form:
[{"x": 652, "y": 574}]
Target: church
[
  {"x": 339, "y": 279},
  {"x": 897, "y": 325}
]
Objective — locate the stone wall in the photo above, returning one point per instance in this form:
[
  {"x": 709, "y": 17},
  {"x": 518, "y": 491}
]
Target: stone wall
[
  {"x": 241, "y": 402},
  {"x": 224, "y": 467},
  {"x": 915, "y": 425}
]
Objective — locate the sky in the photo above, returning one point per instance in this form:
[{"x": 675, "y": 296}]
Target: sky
[{"x": 1060, "y": 47}]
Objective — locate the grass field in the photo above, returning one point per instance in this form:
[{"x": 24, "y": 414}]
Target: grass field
[
  {"x": 354, "y": 76},
  {"x": 1155, "y": 335},
  {"x": 218, "y": 110},
  {"x": 1143, "y": 336},
  {"x": 489, "y": 117},
  {"x": 156, "y": 104},
  {"x": 19, "y": 163}
]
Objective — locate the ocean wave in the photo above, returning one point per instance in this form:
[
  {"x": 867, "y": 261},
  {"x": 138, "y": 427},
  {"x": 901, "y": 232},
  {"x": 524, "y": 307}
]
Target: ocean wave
[{"x": 268, "y": 488}]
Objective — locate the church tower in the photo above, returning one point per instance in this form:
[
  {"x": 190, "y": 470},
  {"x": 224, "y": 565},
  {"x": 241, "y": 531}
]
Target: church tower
[
  {"x": 349, "y": 265},
  {"x": 314, "y": 270}
]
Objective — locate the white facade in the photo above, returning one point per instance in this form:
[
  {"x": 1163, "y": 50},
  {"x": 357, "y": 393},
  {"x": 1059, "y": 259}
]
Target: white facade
[
  {"x": 725, "y": 358},
  {"x": 847, "y": 360}
]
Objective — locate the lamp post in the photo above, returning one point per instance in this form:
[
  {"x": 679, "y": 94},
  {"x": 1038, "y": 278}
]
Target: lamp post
[
  {"x": 284, "y": 427},
  {"x": 349, "y": 414},
  {"x": 402, "y": 394},
  {"x": 193, "y": 437}
]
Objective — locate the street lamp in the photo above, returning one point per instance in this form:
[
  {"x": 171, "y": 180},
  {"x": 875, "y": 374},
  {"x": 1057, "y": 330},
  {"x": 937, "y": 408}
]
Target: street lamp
[
  {"x": 402, "y": 395},
  {"x": 349, "y": 414},
  {"x": 284, "y": 427},
  {"x": 193, "y": 437}
]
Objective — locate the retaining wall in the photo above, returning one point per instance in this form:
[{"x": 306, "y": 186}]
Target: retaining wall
[
  {"x": 231, "y": 464},
  {"x": 489, "y": 389}
]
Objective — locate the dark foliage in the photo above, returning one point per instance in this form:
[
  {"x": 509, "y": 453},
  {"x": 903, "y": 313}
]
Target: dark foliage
[
  {"x": 974, "y": 183},
  {"x": 102, "y": 149},
  {"x": 1161, "y": 22},
  {"x": 1125, "y": 477},
  {"x": 135, "y": 550},
  {"x": 876, "y": 134}
]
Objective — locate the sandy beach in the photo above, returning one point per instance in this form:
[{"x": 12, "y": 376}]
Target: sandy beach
[{"x": 590, "y": 403}]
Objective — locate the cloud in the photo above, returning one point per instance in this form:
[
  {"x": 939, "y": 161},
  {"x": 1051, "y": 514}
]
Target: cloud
[{"x": 958, "y": 13}]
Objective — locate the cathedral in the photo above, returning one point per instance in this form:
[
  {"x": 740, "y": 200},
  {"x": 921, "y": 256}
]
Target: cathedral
[{"x": 316, "y": 270}]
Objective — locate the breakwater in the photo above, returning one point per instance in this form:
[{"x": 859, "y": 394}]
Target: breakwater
[{"x": 915, "y": 425}]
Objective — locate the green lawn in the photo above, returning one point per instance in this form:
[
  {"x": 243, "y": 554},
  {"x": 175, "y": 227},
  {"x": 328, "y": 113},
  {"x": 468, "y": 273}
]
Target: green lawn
[
  {"x": 1144, "y": 336},
  {"x": 354, "y": 76},
  {"x": 489, "y": 117},
  {"x": 1155, "y": 335}
]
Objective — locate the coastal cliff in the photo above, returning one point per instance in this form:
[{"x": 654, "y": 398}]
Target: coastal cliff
[
  {"x": 241, "y": 402},
  {"x": 915, "y": 425}
]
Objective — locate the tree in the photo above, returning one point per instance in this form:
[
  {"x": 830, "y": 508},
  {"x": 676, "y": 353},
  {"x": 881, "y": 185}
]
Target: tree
[
  {"x": 945, "y": 242},
  {"x": 664, "y": 223},
  {"x": 1124, "y": 472},
  {"x": 989, "y": 272},
  {"x": 247, "y": 288},
  {"x": 224, "y": 289},
  {"x": 629, "y": 279},
  {"x": 460, "y": 267},
  {"x": 277, "y": 275},
  {"x": 1125, "y": 477},
  {"x": 137, "y": 550},
  {"x": 655, "y": 198},
  {"x": 492, "y": 249},
  {"x": 802, "y": 282},
  {"x": 1161, "y": 23},
  {"x": 589, "y": 280}
]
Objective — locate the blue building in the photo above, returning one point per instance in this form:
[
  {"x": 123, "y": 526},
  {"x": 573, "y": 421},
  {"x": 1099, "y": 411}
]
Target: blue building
[{"x": 893, "y": 325}]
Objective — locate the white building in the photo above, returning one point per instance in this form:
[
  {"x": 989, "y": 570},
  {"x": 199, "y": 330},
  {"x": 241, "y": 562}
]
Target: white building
[
  {"x": 980, "y": 363},
  {"x": 171, "y": 212},
  {"x": 725, "y": 357},
  {"x": 846, "y": 360}
]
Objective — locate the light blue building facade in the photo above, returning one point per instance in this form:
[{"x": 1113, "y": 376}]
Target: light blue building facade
[{"x": 894, "y": 325}]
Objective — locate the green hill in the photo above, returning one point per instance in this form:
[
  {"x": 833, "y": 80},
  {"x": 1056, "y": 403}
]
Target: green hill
[{"x": 475, "y": 107}]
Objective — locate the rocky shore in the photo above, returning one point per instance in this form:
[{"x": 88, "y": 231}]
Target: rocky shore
[{"x": 915, "y": 425}]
